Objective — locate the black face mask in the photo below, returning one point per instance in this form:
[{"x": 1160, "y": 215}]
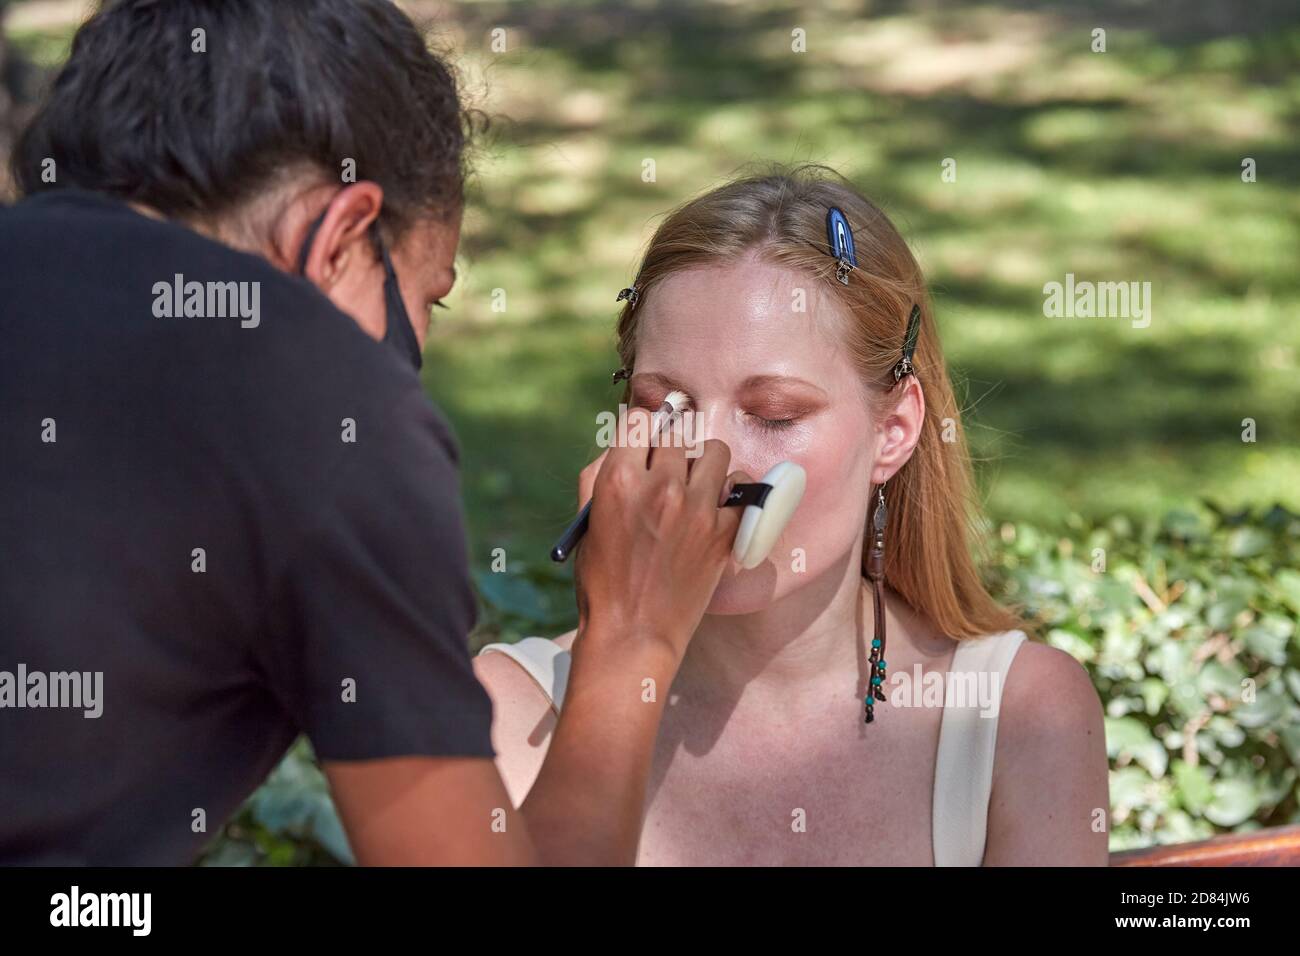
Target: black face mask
[{"x": 398, "y": 331}]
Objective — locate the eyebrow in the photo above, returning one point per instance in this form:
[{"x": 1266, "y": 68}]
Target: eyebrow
[
  {"x": 761, "y": 381},
  {"x": 753, "y": 382},
  {"x": 659, "y": 378}
]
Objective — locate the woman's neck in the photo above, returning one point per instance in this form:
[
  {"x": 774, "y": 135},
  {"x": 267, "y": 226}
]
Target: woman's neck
[{"x": 810, "y": 637}]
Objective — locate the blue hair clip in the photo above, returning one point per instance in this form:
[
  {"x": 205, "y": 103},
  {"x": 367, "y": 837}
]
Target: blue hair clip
[{"x": 840, "y": 237}]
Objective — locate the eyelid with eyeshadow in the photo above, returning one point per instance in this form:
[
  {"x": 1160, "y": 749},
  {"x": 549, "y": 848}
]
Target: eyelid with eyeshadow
[{"x": 652, "y": 396}]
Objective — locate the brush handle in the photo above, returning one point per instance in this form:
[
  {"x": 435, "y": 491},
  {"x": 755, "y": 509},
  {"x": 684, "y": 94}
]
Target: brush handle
[
  {"x": 752, "y": 493},
  {"x": 572, "y": 535},
  {"x": 574, "y": 532}
]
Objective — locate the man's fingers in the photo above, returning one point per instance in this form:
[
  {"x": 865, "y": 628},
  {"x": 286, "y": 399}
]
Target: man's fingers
[
  {"x": 668, "y": 457},
  {"x": 709, "y": 470},
  {"x": 729, "y": 518},
  {"x": 587, "y": 479},
  {"x": 634, "y": 423}
]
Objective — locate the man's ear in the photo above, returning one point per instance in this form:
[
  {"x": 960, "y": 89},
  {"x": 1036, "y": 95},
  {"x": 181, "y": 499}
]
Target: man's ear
[
  {"x": 342, "y": 241},
  {"x": 900, "y": 429}
]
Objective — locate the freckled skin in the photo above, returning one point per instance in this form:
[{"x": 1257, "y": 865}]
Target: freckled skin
[{"x": 711, "y": 329}]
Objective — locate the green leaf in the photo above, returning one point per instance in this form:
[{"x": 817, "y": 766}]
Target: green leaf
[
  {"x": 1248, "y": 541},
  {"x": 1235, "y": 801},
  {"x": 1287, "y": 584},
  {"x": 1265, "y": 710},
  {"x": 1290, "y": 737},
  {"x": 1267, "y": 638},
  {"x": 1193, "y": 785},
  {"x": 1129, "y": 736},
  {"x": 1222, "y": 679},
  {"x": 1292, "y": 679},
  {"x": 513, "y": 594}
]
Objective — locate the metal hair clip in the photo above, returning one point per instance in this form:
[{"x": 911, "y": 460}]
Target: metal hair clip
[
  {"x": 904, "y": 366},
  {"x": 631, "y": 294},
  {"x": 621, "y": 375},
  {"x": 840, "y": 237}
]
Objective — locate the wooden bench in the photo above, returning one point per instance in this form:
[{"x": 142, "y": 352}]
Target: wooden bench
[{"x": 1272, "y": 846}]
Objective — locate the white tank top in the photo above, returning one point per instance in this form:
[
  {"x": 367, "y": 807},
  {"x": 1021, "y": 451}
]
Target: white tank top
[{"x": 963, "y": 771}]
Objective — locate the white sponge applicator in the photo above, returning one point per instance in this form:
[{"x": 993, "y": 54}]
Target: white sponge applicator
[{"x": 764, "y": 520}]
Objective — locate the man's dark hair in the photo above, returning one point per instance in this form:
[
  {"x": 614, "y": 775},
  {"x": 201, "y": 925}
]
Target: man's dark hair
[{"x": 138, "y": 114}]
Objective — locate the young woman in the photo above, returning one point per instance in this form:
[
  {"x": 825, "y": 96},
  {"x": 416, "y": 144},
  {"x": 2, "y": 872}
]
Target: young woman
[{"x": 981, "y": 747}]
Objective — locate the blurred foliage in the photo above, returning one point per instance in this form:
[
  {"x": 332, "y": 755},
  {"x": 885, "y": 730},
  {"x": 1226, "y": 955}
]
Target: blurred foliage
[
  {"x": 1187, "y": 625},
  {"x": 289, "y": 821}
]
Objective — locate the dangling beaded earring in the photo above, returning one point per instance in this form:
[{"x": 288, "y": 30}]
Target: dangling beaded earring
[{"x": 876, "y": 572}]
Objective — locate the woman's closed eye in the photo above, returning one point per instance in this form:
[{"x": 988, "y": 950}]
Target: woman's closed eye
[
  {"x": 773, "y": 423},
  {"x": 776, "y": 414}
]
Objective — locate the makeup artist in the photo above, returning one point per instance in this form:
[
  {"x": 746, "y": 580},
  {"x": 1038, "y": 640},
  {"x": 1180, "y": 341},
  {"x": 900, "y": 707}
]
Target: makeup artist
[{"x": 248, "y": 525}]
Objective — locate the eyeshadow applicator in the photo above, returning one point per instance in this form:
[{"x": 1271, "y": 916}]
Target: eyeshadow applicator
[
  {"x": 769, "y": 504},
  {"x": 670, "y": 409}
]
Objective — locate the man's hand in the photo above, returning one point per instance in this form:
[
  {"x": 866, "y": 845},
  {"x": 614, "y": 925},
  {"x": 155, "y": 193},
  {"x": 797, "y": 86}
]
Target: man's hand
[
  {"x": 658, "y": 541},
  {"x": 646, "y": 570}
]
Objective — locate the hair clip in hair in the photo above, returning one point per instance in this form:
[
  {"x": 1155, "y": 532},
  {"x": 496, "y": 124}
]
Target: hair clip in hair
[
  {"x": 621, "y": 375},
  {"x": 904, "y": 366},
  {"x": 631, "y": 294},
  {"x": 840, "y": 237}
]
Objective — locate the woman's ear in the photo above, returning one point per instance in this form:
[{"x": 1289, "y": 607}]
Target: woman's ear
[{"x": 900, "y": 429}]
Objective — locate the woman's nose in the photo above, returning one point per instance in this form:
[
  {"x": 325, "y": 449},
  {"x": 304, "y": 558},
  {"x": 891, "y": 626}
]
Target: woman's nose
[
  {"x": 714, "y": 420},
  {"x": 704, "y": 422}
]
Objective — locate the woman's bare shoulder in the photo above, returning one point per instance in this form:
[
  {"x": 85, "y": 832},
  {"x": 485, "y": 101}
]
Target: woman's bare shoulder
[
  {"x": 1049, "y": 800},
  {"x": 509, "y": 685},
  {"x": 1045, "y": 684},
  {"x": 522, "y": 718}
]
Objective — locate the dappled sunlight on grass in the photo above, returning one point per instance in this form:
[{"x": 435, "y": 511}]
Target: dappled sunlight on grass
[
  {"x": 1122, "y": 166},
  {"x": 1115, "y": 166}
]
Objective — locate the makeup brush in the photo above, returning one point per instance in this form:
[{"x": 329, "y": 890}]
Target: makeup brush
[{"x": 672, "y": 406}]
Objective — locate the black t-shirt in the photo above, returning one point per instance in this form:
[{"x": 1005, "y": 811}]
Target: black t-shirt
[{"x": 243, "y": 525}]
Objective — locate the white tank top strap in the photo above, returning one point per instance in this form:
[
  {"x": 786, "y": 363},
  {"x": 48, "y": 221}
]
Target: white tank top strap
[
  {"x": 968, "y": 734},
  {"x": 546, "y": 662}
]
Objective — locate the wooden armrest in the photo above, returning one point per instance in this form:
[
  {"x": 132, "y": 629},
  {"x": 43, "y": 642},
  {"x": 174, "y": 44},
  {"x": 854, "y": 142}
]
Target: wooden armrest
[{"x": 1272, "y": 846}]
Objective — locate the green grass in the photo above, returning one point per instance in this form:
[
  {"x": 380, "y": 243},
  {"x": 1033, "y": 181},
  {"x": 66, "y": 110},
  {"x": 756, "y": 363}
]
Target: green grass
[
  {"x": 1116, "y": 166},
  {"x": 1123, "y": 165}
]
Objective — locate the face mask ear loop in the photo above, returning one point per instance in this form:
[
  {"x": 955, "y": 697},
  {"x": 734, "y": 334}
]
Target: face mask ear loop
[
  {"x": 305, "y": 250},
  {"x": 398, "y": 331}
]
